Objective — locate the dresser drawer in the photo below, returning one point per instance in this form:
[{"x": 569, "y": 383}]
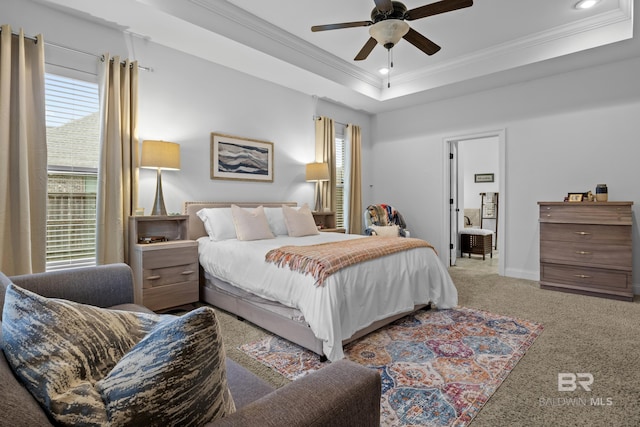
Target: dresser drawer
[
  {"x": 585, "y": 277},
  {"x": 586, "y": 213},
  {"x": 602, "y": 255},
  {"x": 587, "y": 233}
]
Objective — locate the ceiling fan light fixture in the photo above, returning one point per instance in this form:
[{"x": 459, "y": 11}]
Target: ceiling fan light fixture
[
  {"x": 586, "y": 4},
  {"x": 389, "y": 32},
  {"x": 384, "y": 71}
]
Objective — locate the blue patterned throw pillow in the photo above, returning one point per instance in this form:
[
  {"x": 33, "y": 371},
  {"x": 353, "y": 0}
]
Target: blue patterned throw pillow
[
  {"x": 174, "y": 376},
  {"x": 92, "y": 366}
]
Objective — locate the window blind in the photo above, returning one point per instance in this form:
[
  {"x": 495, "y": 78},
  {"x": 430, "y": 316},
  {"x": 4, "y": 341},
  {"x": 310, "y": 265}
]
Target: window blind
[
  {"x": 72, "y": 155},
  {"x": 340, "y": 172}
]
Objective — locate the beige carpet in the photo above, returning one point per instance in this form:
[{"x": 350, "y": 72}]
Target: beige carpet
[{"x": 582, "y": 335}]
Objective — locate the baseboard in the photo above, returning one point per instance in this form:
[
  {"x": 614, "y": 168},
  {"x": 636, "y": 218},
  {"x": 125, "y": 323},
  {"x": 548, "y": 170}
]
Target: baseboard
[{"x": 522, "y": 274}]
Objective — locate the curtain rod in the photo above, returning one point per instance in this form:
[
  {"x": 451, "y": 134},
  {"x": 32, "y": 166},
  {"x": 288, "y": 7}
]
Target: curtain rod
[
  {"x": 59, "y": 46},
  {"x": 336, "y": 122}
]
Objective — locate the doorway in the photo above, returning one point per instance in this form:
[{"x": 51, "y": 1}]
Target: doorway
[{"x": 467, "y": 177}]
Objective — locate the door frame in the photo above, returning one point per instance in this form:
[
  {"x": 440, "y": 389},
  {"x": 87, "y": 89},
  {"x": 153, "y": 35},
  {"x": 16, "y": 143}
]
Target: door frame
[{"x": 448, "y": 178}]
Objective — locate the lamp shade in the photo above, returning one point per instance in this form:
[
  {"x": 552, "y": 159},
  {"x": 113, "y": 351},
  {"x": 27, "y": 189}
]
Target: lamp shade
[
  {"x": 317, "y": 172},
  {"x": 389, "y": 32},
  {"x": 160, "y": 155}
]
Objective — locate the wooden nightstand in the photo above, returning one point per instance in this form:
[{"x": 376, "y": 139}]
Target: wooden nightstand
[
  {"x": 166, "y": 272},
  {"x": 326, "y": 221}
]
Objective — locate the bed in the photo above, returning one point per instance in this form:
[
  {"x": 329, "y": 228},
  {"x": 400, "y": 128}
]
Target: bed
[{"x": 352, "y": 302}]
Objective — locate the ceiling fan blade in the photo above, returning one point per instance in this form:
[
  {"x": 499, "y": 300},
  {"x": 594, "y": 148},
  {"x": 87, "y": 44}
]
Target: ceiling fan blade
[
  {"x": 436, "y": 8},
  {"x": 384, "y": 6},
  {"x": 421, "y": 42},
  {"x": 342, "y": 25},
  {"x": 366, "y": 49}
]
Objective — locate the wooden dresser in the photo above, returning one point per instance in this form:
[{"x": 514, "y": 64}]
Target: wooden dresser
[{"x": 586, "y": 248}]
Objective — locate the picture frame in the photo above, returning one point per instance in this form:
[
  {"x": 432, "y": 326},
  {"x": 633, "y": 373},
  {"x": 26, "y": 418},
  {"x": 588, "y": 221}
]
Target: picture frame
[
  {"x": 242, "y": 159},
  {"x": 483, "y": 177},
  {"x": 576, "y": 197}
]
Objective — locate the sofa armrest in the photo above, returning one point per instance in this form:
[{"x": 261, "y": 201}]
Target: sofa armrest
[
  {"x": 102, "y": 286},
  {"x": 342, "y": 394}
]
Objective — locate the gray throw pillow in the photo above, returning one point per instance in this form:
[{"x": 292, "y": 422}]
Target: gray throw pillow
[{"x": 61, "y": 350}]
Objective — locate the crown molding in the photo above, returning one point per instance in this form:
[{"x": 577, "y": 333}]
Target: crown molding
[
  {"x": 259, "y": 30},
  {"x": 623, "y": 15}
]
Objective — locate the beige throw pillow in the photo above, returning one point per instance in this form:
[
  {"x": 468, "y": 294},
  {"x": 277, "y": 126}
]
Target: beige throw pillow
[
  {"x": 300, "y": 221},
  {"x": 251, "y": 224},
  {"x": 386, "y": 230}
]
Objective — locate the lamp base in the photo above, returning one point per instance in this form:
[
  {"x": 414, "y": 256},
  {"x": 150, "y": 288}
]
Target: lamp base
[
  {"x": 158, "y": 204},
  {"x": 318, "y": 207}
]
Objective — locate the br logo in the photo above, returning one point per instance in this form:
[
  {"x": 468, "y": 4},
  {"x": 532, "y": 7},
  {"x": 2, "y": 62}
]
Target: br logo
[{"x": 568, "y": 381}]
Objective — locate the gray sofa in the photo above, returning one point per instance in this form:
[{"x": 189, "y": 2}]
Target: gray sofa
[{"x": 342, "y": 394}]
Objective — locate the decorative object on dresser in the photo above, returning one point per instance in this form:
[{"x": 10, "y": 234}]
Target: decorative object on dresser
[
  {"x": 316, "y": 172},
  {"x": 586, "y": 248},
  {"x": 165, "y": 272},
  {"x": 160, "y": 155}
]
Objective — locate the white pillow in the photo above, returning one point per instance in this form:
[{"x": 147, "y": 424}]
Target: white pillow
[
  {"x": 299, "y": 222},
  {"x": 386, "y": 230},
  {"x": 251, "y": 224},
  {"x": 218, "y": 222},
  {"x": 276, "y": 221}
]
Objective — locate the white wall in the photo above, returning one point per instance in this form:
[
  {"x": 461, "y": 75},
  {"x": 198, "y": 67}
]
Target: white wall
[
  {"x": 564, "y": 133},
  {"x": 186, "y": 98}
]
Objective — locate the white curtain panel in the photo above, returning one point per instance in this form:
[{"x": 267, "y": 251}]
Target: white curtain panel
[
  {"x": 355, "y": 179},
  {"x": 117, "y": 173},
  {"x": 23, "y": 154},
  {"x": 326, "y": 153}
]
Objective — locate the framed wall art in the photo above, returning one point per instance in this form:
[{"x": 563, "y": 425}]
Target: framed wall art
[{"x": 234, "y": 157}]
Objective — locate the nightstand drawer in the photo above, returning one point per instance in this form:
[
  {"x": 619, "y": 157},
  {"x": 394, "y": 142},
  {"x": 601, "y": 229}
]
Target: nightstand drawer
[
  {"x": 173, "y": 295},
  {"x": 167, "y": 256},
  {"x": 152, "y": 278}
]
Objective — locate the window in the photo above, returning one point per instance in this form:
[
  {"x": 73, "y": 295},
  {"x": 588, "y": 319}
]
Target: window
[
  {"x": 340, "y": 173},
  {"x": 73, "y": 154}
]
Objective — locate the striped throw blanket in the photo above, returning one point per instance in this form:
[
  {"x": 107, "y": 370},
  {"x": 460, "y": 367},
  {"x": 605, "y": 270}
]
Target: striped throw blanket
[{"x": 324, "y": 259}]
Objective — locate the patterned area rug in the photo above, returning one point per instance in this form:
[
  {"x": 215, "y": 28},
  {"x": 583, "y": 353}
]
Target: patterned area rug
[{"x": 438, "y": 368}]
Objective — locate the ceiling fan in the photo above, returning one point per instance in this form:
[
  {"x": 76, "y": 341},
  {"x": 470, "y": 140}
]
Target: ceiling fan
[{"x": 388, "y": 24}]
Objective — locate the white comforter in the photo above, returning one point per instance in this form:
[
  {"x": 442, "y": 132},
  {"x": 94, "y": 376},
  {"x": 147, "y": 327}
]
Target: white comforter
[{"x": 349, "y": 300}]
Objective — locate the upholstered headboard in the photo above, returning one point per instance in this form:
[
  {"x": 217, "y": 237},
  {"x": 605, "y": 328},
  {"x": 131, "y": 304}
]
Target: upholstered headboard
[{"x": 196, "y": 226}]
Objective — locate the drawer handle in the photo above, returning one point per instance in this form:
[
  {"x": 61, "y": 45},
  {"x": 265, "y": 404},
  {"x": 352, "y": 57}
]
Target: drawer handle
[
  {"x": 153, "y": 277},
  {"x": 582, "y": 276},
  {"x": 187, "y": 272},
  {"x": 583, "y": 253},
  {"x": 583, "y": 233}
]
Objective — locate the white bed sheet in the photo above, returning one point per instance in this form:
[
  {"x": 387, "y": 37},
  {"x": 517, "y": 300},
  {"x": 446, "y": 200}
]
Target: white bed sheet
[{"x": 350, "y": 299}]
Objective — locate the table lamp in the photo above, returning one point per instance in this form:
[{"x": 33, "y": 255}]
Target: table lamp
[
  {"x": 317, "y": 172},
  {"x": 160, "y": 155}
]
